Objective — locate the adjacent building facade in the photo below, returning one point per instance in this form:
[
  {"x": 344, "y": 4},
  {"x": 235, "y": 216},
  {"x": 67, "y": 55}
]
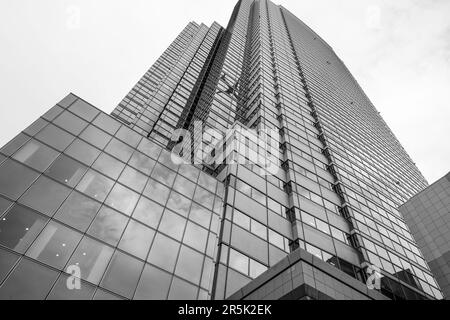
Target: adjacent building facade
[
  {"x": 97, "y": 197},
  {"x": 428, "y": 216}
]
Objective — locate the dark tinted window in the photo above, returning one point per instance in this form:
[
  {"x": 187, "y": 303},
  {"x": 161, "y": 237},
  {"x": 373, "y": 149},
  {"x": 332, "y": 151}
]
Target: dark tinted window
[
  {"x": 19, "y": 227},
  {"x": 66, "y": 170},
  {"x": 45, "y": 195},
  {"x": 15, "y": 178},
  {"x": 29, "y": 281},
  {"x": 55, "y": 137},
  {"x": 84, "y": 110},
  {"x": 36, "y": 155}
]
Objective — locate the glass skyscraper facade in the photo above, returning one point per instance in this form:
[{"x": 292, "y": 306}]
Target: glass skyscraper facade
[{"x": 101, "y": 192}]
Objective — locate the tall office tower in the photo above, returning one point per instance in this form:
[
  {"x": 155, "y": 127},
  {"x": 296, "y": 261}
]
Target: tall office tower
[
  {"x": 308, "y": 209},
  {"x": 428, "y": 216}
]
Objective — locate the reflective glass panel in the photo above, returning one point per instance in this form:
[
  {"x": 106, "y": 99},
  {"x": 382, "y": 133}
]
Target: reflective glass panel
[
  {"x": 172, "y": 224},
  {"x": 133, "y": 179},
  {"x": 15, "y": 179},
  {"x": 122, "y": 199},
  {"x": 66, "y": 170},
  {"x": 119, "y": 149},
  {"x": 108, "y": 165},
  {"x": 82, "y": 151},
  {"x": 108, "y": 225},
  {"x": 19, "y": 227},
  {"x": 164, "y": 252},
  {"x": 92, "y": 257},
  {"x": 36, "y": 155},
  {"x": 123, "y": 274},
  {"x": 95, "y": 185},
  {"x": 28, "y": 281},
  {"x": 148, "y": 212},
  {"x": 137, "y": 239},
  {"x": 70, "y": 122},
  {"x": 189, "y": 265},
  {"x": 54, "y": 245},
  {"x": 77, "y": 211},
  {"x": 195, "y": 236},
  {"x": 142, "y": 162},
  {"x": 45, "y": 195},
  {"x": 156, "y": 191},
  {"x": 153, "y": 285},
  {"x": 55, "y": 137},
  {"x": 95, "y": 137},
  {"x": 84, "y": 110}
]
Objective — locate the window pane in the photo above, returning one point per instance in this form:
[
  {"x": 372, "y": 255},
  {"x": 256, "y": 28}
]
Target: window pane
[
  {"x": 184, "y": 186},
  {"x": 149, "y": 148},
  {"x": 200, "y": 215},
  {"x": 108, "y": 165},
  {"x": 204, "y": 197},
  {"x": 166, "y": 158},
  {"x": 36, "y": 155},
  {"x": 108, "y": 225},
  {"x": 84, "y": 110},
  {"x": 66, "y": 170},
  {"x": 122, "y": 199},
  {"x": 83, "y": 152},
  {"x": 137, "y": 239},
  {"x": 71, "y": 123},
  {"x": 95, "y": 185},
  {"x": 256, "y": 268},
  {"x": 153, "y": 285},
  {"x": 61, "y": 292},
  {"x": 52, "y": 113},
  {"x": 179, "y": 204},
  {"x": 172, "y": 225},
  {"x": 189, "y": 265},
  {"x": 163, "y": 174},
  {"x": 15, "y": 179},
  {"x": 54, "y": 245},
  {"x": 7, "y": 261},
  {"x": 181, "y": 290},
  {"x": 129, "y": 136},
  {"x": 238, "y": 261},
  {"x": 67, "y": 100},
  {"x": 19, "y": 227},
  {"x": 123, "y": 274},
  {"x": 45, "y": 196},
  {"x": 133, "y": 179},
  {"x": 4, "y": 204},
  {"x": 35, "y": 127},
  {"x": 15, "y": 144},
  {"x": 142, "y": 162},
  {"x": 29, "y": 281},
  {"x": 190, "y": 172},
  {"x": 55, "y": 137},
  {"x": 207, "y": 182},
  {"x": 164, "y": 252},
  {"x": 195, "y": 236},
  {"x": 119, "y": 149},
  {"x": 92, "y": 257},
  {"x": 78, "y": 211},
  {"x": 95, "y": 137},
  {"x": 148, "y": 212},
  {"x": 107, "y": 123},
  {"x": 259, "y": 229},
  {"x": 156, "y": 191}
]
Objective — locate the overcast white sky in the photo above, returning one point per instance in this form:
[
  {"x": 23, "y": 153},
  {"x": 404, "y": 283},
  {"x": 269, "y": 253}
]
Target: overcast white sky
[{"x": 398, "y": 50}]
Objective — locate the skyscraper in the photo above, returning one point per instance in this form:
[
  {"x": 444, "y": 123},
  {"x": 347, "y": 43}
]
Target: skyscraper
[
  {"x": 98, "y": 197},
  {"x": 428, "y": 216}
]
